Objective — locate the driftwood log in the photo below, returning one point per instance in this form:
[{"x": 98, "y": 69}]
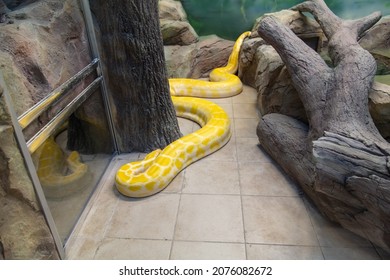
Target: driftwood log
[{"x": 339, "y": 159}]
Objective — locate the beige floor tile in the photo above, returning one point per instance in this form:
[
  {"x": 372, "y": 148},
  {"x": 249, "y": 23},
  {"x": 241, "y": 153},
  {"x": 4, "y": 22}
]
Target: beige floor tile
[
  {"x": 281, "y": 252},
  {"x": 108, "y": 191},
  {"x": 215, "y": 218},
  {"x": 196, "y": 127},
  {"x": 228, "y": 108},
  {"x": 226, "y": 153},
  {"x": 258, "y": 178},
  {"x": 357, "y": 253},
  {"x": 212, "y": 177},
  {"x": 100, "y": 215},
  {"x": 245, "y": 128},
  {"x": 333, "y": 235},
  {"x": 82, "y": 248},
  {"x": 176, "y": 185},
  {"x": 220, "y": 101},
  {"x": 248, "y": 95},
  {"x": 153, "y": 217},
  {"x": 249, "y": 150},
  {"x": 98, "y": 212},
  {"x": 133, "y": 249},
  {"x": 244, "y": 110},
  {"x": 186, "y": 126},
  {"x": 277, "y": 220},
  {"x": 207, "y": 251}
]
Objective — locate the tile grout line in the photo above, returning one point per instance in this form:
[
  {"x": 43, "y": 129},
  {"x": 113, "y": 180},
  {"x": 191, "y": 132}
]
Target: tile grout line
[
  {"x": 256, "y": 118},
  {"x": 107, "y": 226},
  {"x": 110, "y": 219},
  {"x": 76, "y": 234},
  {"x": 176, "y": 218},
  {"x": 239, "y": 173},
  {"x": 312, "y": 224},
  {"x": 183, "y": 183},
  {"x": 239, "y": 183},
  {"x": 117, "y": 200}
]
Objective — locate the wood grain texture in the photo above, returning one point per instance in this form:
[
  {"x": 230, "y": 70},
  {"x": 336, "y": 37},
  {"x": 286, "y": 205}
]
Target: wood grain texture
[
  {"x": 340, "y": 159},
  {"x": 132, "y": 51}
]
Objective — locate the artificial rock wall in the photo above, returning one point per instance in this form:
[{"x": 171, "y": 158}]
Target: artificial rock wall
[
  {"x": 187, "y": 55},
  {"x": 43, "y": 44},
  {"x": 24, "y": 233}
]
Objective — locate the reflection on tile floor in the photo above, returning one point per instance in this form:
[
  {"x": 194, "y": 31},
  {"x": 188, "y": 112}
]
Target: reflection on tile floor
[{"x": 234, "y": 204}]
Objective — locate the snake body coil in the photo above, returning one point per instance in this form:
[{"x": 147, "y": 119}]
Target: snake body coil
[{"x": 157, "y": 170}]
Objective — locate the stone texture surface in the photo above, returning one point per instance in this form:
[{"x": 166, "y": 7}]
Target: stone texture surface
[
  {"x": 3, "y": 11},
  {"x": 177, "y": 32},
  {"x": 186, "y": 54},
  {"x": 379, "y": 104},
  {"x": 171, "y": 10},
  {"x": 249, "y": 60},
  {"x": 377, "y": 42},
  {"x": 212, "y": 52},
  {"x": 175, "y": 27},
  {"x": 24, "y": 233},
  {"x": 197, "y": 60},
  {"x": 179, "y": 59},
  {"x": 43, "y": 47}
]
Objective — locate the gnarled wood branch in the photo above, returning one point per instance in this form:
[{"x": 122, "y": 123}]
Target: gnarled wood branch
[{"x": 340, "y": 160}]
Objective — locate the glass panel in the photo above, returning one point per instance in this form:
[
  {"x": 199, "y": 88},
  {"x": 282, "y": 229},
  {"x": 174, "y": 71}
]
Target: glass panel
[
  {"x": 68, "y": 176},
  {"x": 42, "y": 47}
]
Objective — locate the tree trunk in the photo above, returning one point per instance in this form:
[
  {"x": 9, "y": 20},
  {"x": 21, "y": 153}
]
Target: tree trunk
[
  {"x": 340, "y": 159},
  {"x": 133, "y": 54}
]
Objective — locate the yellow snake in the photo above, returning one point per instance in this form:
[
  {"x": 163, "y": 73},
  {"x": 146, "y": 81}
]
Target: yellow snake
[
  {"x": 60, "y": 176},
  {"x": 157, "y": 170}
]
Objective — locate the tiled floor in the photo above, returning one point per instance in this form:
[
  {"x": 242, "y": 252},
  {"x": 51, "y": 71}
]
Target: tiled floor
[{"x": 234, "y": 204}]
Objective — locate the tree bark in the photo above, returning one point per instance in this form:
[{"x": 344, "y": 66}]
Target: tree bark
[
  {"x": 132, "y": 51},
  {"x": 340, "y": 160}
]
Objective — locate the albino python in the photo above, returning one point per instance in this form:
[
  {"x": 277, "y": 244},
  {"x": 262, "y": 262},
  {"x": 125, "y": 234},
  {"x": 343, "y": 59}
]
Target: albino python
[
  {"x": 157, "y": 170},
  {"x": 60, "y": 176}
]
